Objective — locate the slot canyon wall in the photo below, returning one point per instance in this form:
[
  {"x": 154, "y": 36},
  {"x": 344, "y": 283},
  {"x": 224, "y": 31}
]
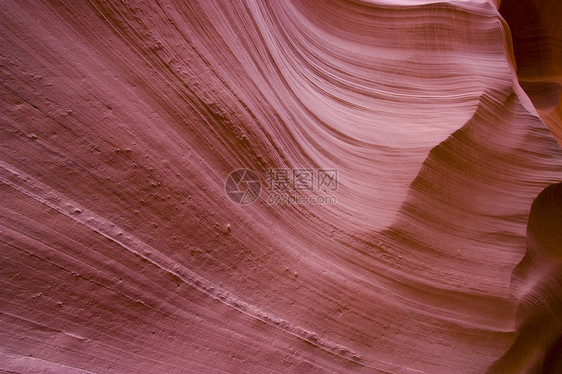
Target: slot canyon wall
[{"x": 429, "y": 239}]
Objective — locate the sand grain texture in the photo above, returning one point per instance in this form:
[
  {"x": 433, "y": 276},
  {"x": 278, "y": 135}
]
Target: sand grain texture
[{"x": 121, "y": 252}]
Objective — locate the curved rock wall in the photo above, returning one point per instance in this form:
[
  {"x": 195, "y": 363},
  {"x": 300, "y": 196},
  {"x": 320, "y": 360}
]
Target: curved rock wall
[{"x": 122, "y": 252}]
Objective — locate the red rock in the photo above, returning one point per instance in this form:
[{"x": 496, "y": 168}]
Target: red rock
[{"x": 122, "y": 251}]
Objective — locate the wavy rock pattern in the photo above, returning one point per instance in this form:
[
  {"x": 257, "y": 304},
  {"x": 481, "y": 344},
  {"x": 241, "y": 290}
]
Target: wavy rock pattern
[
  {"x": 122, "y": 253},
  {"x": 537, "y": 39},
  {"x": 537, "y": 282}
]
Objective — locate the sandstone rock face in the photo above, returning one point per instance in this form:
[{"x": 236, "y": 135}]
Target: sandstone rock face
[{"x": 122, "y": 252}]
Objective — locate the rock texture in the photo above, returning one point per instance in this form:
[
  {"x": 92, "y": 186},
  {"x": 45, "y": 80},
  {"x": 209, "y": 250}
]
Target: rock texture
[{"x": 121, "y": 121}]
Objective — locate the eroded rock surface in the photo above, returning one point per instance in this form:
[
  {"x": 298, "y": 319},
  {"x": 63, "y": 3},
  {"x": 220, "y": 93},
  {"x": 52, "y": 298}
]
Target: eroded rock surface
[{"x": 121, "y": 251}]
